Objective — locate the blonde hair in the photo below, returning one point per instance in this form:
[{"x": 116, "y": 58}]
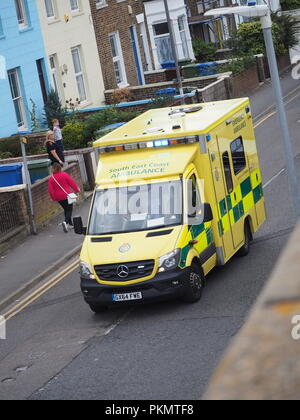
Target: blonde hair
[
  {"x": 49, "y": 133},
  {"x": 56, "y": 167}
]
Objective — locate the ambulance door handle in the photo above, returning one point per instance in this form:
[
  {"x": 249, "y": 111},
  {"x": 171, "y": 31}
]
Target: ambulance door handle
[{"x": 235, "y": 196}]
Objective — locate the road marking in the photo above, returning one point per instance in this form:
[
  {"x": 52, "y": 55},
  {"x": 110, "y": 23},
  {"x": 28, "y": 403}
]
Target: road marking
[
  {"x": 274, "y": 105},
  {"x": 267, "y": 117},
  {"x": 40, "y": 291},
  {"x": 275, "y": 112},
  {"x": 273, "y": 178}
]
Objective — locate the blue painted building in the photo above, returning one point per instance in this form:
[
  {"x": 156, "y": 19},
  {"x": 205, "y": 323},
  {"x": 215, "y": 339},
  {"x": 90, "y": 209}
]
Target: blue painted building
[{"x": 23, "y": 69}]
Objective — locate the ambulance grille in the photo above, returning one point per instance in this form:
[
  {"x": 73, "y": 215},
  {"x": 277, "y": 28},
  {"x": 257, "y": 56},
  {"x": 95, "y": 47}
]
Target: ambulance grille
[{"x": 125, "y": 271}]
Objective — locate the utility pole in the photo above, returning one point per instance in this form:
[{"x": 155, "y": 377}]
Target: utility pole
[
  {"x": 174, "y": 51},
  {"x": 23, "y": 142}
]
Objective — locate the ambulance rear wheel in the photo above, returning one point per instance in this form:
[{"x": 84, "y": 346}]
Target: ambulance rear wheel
[
  {"x": 244, "y": 251},
  {"x": 195, "y": 284}
]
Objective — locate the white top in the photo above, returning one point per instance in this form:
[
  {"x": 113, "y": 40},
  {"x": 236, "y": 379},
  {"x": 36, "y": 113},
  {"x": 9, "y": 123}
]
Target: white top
[{"x": 57, "y": 133}]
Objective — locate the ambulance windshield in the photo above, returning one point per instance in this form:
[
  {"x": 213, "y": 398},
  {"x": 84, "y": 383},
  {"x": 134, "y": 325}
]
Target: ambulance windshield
[{"x": 137, "y": 208}]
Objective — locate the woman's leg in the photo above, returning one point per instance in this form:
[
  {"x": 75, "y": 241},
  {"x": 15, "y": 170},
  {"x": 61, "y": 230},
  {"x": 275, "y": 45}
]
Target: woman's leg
[
  {"x": 65, "y": 206},
  {"x": 69, "y": 212}
]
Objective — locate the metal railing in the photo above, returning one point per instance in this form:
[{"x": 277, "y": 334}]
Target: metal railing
[{"x": 9, "y": 216}]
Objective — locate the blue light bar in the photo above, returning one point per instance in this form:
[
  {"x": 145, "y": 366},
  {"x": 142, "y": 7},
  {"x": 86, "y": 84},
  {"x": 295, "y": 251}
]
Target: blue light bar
[{"x": 161, "y": 143}]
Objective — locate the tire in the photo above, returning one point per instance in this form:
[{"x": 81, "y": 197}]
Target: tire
[
  {"x": 195, "y": 284},
  {"x": 97, "y": 309},
  {"x": 244, "y": 251}
]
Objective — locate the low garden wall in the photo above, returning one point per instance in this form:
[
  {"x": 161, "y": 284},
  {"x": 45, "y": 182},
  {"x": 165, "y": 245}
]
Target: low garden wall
[{"x": 149, "y": 91}]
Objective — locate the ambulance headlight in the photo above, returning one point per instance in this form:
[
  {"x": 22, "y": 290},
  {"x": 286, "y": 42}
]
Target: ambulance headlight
[
  {"x": 86, "y": 271},
  {"x": 169, "y": 261}
]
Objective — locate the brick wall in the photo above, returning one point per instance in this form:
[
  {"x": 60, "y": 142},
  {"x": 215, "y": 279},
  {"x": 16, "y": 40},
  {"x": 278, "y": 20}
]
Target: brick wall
[
  {"x": 149, "y": 91},
  {"x": 13, "y": 210},
  {"x": 44, "y": 208},
  {"x": 244, "y": 83},
  {"x": 116, "y": 17},
  {"x": 159, "y": 76}
]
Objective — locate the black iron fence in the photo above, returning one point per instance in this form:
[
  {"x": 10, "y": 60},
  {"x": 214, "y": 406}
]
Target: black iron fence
[{"x": 9, "y": 215}]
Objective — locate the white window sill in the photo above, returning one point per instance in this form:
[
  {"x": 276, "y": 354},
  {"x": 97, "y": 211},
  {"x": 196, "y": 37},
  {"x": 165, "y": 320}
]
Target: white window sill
[
  {"x": 77, "y": 13},
  {"x": 101, "y": 6},
  {"x": 123, "y": 85},
  {"x": 53, "y": 21}
]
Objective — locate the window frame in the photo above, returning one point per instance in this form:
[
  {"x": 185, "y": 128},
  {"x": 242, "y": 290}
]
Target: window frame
[
  {"x": 118, "y": 59},
  {"x": 235, "y": 169},
  {"x": 22, "y": 15},
  {"x": 79, "y": 76},
  {"x": 78, "y": 9},
  {"x": 53, "y": 65},
  {"x": 227, "y": 172},
  {"x": 181, "y": 20},
  {"x": 17, "y": 99},
  {"x": 158, "y": 37}
]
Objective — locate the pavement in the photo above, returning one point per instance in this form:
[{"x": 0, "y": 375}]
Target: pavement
[{"x": 37, "y": 257}]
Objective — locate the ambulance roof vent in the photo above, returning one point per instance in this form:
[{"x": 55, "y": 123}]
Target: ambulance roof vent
[
  {"x": 183, "y": 111},
  {"x": 154, "y": 130}
]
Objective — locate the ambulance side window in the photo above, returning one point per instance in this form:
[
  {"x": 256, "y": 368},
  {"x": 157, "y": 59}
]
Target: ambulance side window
[
  {"x": 227, "y": 170},
  {"x": 238, "y": 155},
  {"x": 194, "y": 196}
]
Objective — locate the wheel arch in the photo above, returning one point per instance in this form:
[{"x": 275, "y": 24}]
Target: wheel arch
[{"x": 248, "y": 221}]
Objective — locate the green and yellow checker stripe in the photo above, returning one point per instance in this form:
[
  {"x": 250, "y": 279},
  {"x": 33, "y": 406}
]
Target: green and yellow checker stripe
[
  {"x": 240, "y": 201},
  {"x": 203, "y": 234}
]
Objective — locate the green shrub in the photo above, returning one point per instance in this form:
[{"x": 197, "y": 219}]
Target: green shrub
[
  {"x": 289, "y": 29},
  {"x": 250, "y": 39},
  {"x": 10, "y": 146},
  {"x": 53, "y": 109},
  {"x": 290, "y": 4},
  {"x": 5, "y": 155},
  {"x": 204, "y": 51},
  {"x": 237, "y": 66},
  {"x": 161, "y": 102},
  {"x": 94, "y": 122},
  {"x": 73, "y": 135}
]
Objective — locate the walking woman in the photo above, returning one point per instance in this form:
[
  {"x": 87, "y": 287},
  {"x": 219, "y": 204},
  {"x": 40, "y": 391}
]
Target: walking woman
[
  {"x": 60, "y": 186},
  {"x": 55, "y": 153}
]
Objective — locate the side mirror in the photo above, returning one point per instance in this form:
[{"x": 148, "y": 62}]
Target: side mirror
[
  {"x": 208, "y": 214},
  {"x": 78, "y": 226}
]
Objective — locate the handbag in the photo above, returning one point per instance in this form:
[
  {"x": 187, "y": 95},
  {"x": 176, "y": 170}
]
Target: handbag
[{"x": 72, "y": 197}]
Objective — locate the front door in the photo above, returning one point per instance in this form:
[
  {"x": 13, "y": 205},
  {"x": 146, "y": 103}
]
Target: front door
[{"x": 137, "y": 55}]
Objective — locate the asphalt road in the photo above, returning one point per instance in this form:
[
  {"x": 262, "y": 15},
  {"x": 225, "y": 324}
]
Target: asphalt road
[{"x": 57, "y": 349}]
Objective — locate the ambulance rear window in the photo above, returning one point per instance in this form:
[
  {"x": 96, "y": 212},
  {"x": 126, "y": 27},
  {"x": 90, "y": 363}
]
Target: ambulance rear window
[{"x": 238, "y": 155}]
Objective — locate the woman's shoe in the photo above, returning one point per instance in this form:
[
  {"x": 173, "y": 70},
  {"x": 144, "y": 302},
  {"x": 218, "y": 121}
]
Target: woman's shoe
[{"x": 65, "y": 227}]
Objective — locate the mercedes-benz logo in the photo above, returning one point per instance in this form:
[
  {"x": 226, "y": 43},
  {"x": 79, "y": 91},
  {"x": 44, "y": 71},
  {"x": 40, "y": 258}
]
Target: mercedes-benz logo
[{"x": 123, "y": 271}]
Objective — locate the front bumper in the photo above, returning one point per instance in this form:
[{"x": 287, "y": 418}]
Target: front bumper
[{"x": 163, "y": 286}]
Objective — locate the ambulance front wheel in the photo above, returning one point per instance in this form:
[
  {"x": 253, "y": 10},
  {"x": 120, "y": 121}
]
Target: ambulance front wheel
[
  {"x": 244, "y": 251},
  {"x": 195, "y": 284}
]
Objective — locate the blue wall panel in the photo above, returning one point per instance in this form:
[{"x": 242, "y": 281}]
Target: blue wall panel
[{"x": 20, "y": 49}]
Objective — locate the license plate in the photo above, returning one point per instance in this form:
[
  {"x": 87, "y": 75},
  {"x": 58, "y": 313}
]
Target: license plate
[{"x": 123, "y": 297}]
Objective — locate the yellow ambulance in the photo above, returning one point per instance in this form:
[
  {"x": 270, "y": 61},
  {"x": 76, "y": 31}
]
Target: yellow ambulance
[{"x": 178, "y": 192}]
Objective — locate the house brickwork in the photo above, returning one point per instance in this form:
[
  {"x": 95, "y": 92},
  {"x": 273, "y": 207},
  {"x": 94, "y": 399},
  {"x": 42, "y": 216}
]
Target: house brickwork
[{"x": 113, "y": 17}]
